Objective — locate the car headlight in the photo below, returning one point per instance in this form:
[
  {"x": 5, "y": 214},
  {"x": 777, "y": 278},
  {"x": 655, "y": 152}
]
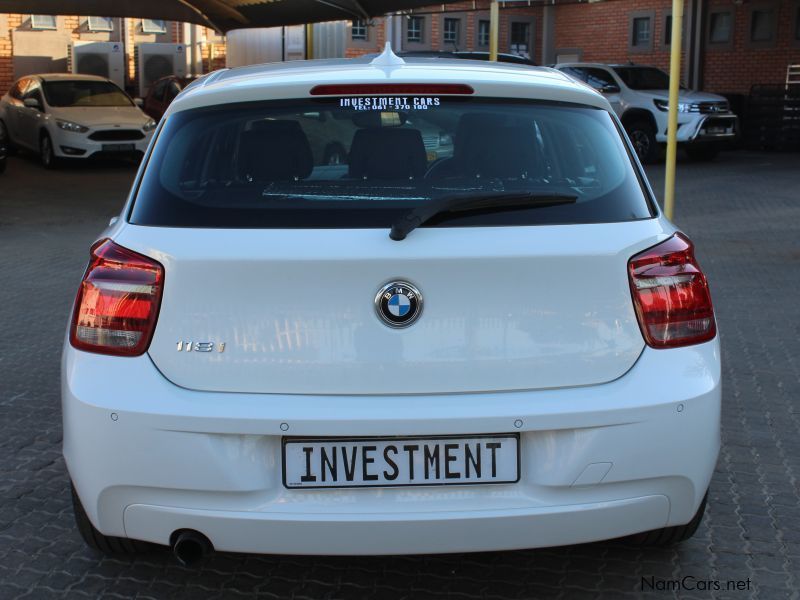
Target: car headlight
[
  {"x": 70, "y": 126},
  {"x": 149, "y": 126},
  {"x": 683, "y": 107}
]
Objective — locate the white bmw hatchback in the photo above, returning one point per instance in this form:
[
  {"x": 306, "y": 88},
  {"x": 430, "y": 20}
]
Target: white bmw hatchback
[{"x": 507, "y": 347}]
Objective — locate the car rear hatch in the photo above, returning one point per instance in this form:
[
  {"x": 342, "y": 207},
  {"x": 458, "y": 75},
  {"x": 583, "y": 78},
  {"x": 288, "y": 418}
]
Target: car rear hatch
[
  {"x": 273, "y": 258},
  {"x": 504, "y": 308}
]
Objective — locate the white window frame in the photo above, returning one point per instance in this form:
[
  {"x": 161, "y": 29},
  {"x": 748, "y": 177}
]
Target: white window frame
[
  {"x": 43, "y": 27},
  {"x": 95, "y": 23},
  {"x": 360, "y": 25},
  {"x": 478, "y": 40},
  {"x": 148, "y": 26},
  {"x": 421, "y": 30},
  {"x": 456, "y": 32}
]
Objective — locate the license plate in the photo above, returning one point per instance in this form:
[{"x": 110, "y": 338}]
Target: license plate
[
  {"x": 402, "y": 461},
  {"x": 716, "y": 129},
  {"x": 118, "y": 147}
]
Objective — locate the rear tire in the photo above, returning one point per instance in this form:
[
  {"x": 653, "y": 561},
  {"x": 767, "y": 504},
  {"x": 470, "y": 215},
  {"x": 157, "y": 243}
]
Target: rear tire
[
  {"x": 47, "y": 154},
  {"x": 669, "y": 536},
  {"x": 113, "y": 546},
  {"x": 643, "y": 138},
  {"x": 702, "y": 152}
]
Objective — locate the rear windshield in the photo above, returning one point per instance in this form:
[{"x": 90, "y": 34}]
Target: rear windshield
[
  {"x": 358, "y": 162},
  {"x": 84, "y": 93}
]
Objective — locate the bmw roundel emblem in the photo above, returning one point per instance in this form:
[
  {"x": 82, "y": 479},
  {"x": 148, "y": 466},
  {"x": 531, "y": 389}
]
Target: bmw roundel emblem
[{"x": 398, "y": 304}]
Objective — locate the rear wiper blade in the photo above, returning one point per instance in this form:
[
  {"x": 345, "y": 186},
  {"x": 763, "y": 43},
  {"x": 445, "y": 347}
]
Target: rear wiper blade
[{"x": 474, "y": 201}]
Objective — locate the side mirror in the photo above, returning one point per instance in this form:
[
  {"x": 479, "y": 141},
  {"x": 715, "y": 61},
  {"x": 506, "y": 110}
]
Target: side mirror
[
  {"x": 138, "y": 102},
  {"x": 32, "y": 103},
  {"x": 610, "y": 88}
]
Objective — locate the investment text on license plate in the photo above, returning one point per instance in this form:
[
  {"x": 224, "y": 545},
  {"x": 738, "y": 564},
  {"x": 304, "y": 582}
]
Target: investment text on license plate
[{"x": 362, "y": 462}]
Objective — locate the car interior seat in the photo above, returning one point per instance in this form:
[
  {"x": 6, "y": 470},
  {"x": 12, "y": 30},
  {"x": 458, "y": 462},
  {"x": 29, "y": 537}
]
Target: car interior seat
[
  {"x": 387, "y": 153},
  {"x": 274, "y": 150}
]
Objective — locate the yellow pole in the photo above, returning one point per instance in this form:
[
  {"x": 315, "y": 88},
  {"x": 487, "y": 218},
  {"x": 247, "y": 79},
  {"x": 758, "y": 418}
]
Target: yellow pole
[
  {"x": 309, "y": 41},
  {"x": 494, "y": 29},
  {"x": 672, "y": 117}
]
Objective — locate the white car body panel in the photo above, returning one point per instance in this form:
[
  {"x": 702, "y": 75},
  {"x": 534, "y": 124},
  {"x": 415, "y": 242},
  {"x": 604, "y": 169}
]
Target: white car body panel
[
  {"x": 295, "y": 79},
  {"x": 615, "y": 437},
  {"x": 269, "y": 299}
]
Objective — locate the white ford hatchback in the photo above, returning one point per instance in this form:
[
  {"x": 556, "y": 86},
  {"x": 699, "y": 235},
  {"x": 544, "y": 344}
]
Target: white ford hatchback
[{"x": 501, "y": 346}]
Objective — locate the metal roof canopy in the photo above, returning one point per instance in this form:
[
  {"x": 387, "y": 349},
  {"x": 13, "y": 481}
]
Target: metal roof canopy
[{"x": 222, "y": 15}]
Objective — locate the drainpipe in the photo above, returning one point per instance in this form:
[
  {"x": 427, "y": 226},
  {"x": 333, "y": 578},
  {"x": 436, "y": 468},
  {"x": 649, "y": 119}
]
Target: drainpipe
[{"x": 548, "y": 55}]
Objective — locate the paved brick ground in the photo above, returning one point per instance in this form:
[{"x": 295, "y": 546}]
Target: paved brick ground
[{"x": 744, "y": 213}]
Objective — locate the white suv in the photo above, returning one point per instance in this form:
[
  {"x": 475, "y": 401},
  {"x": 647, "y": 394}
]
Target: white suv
[
  {"x": 509, "y": 347},
  {"x": 640, "y": 96}
]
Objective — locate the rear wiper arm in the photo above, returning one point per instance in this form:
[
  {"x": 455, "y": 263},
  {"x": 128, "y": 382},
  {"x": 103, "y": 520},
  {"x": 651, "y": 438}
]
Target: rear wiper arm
[{"x": 474, "y": 201}]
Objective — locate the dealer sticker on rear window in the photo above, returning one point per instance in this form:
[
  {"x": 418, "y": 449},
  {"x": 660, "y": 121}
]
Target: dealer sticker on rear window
[{"x": 390, "y": 103}]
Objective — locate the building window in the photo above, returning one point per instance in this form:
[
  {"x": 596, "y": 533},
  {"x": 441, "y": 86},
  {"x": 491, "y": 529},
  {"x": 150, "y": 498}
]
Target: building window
[
  {"x": 483, "y": 33},
  {"x": 100, "y": 24},
  {"x": 762, "y": 25},
  {"x": 720, "y": 28},
  {"x": 641, "y": 32},
  {"x": 43, "y": 22},
  {"x": 521, "y": 39},
  {"x": 450, "y": 31},
  {"x": 154, "y": 26},
  {"x": 668, "y": 30},
  {"x": 414, "y": 30},
  {"x": 358, "y": 31},
  {"x": 797, "y": 23}
]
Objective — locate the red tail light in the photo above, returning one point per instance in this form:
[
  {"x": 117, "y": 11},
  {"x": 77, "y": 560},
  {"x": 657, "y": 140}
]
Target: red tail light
[
  {"x": 671, "y": 295},
  {"x": 117, "y": 304}
]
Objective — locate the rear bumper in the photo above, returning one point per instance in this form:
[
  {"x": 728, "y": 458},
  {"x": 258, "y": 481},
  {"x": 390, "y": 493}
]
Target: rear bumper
[{"x": 598, "y": 462}]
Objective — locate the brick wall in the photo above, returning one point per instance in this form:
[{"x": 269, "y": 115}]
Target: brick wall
[
  {"x": 602, "y": 31},
  {"x": 735, "y": 69},
  {"x": 7, "y": 24},
  {"x": 471, "y": 12},
  {"x": 74, "y": 28}
]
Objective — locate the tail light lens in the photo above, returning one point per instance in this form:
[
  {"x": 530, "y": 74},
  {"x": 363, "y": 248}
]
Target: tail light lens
[
  {"x": 117, "y": 304},
  {"x": 671, "y": 295}
]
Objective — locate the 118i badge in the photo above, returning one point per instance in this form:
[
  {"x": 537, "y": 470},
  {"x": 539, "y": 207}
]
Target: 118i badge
[{"x": 398, "y": 304}]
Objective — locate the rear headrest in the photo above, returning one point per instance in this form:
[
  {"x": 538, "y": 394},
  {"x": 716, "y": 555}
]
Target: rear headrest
[
  {"x": 471, "y": 129},
  {"x": 275, "y": 151},
  {"x": 387, "y": 153},
  {"x": 495, "y": 146}
]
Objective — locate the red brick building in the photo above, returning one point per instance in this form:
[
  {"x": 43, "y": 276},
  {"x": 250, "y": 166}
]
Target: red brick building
[
  {"x": 729, "y": 45},
  {"x": 41, "y": 43}
]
